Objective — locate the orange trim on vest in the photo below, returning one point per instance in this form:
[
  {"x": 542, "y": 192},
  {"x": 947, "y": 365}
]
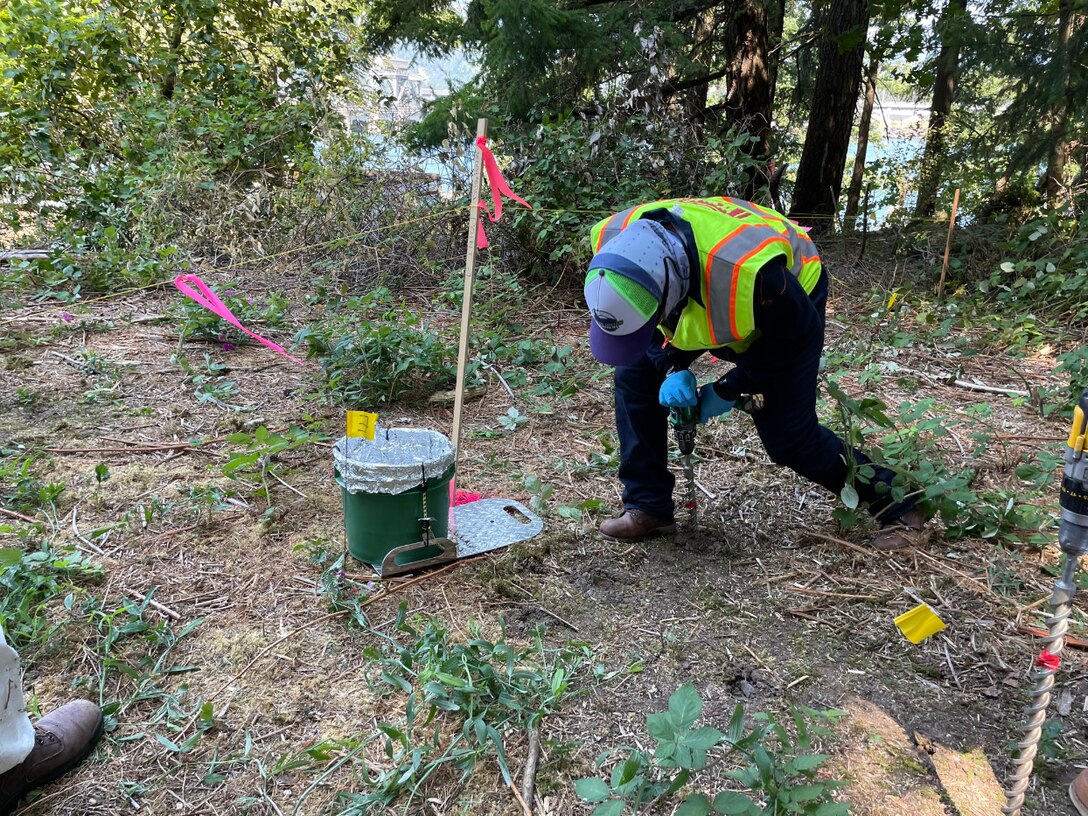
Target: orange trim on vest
[
  {"x": 740, "y": 263},
  {"x": 760, "y": 248},
  {"x": 604, "y": 229},
  {"x": 706, "y": 274},
  {"x": 631, "y": 215}
]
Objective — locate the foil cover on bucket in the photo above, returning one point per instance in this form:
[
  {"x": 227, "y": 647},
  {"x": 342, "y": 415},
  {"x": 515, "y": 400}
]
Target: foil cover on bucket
[{"x": 392, "y": 462}]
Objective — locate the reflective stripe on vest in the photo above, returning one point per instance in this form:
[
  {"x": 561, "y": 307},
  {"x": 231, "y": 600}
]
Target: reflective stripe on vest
[{"x": 734, "y": 239}]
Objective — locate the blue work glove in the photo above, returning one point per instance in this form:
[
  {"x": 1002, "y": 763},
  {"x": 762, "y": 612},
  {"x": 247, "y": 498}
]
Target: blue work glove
[
  {"x": 711, "y": 405},
  {"x": 679, "y": 390}
]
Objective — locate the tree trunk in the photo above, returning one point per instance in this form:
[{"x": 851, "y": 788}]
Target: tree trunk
[
  {"x": 695, "y": 99},
  {"x": 1059, "y": 111},
  {"x": 944, "y": 89},
  {"x": 838, "y": 78},
  {"x": 853, "y": 193},
  {"x": 170, "y": 81},
  {"x": 750, "y": 84}
]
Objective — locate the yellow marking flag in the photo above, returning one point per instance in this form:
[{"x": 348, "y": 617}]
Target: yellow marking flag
[
  {"x": 919, "y": 623},
  {"x": 362, "y": 423}
]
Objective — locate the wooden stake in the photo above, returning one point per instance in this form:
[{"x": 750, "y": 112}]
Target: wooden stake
[
  {"x": 948, "y": 241},
  {"x": 466, "y": 299}
]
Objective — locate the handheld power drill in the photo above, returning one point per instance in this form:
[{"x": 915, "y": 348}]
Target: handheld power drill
[
  {"x": 683, "y": 421},
  {"x": 1073, "y": 540}
]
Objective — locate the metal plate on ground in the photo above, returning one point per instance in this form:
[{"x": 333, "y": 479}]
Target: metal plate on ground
[
  {"x": 489, "y": 524},
  {"x": 481, "y": 526}
]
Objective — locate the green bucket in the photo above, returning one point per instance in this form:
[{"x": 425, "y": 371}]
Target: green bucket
[{"x": 382, "y": 486}]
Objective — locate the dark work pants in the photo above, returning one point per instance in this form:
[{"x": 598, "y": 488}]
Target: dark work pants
[{"x": 784, "y": 372}]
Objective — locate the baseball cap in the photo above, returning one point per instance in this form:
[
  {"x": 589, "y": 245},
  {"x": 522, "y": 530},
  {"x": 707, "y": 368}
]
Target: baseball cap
[{"x": 626, "y": 282}]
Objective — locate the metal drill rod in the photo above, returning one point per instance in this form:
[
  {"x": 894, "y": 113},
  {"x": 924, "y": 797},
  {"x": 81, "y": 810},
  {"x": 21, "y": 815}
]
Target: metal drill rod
[
  {"x": 683, "y": 422},
  {"x": 1073, "y": 540},
  {"x": 1061, "y": 603}
]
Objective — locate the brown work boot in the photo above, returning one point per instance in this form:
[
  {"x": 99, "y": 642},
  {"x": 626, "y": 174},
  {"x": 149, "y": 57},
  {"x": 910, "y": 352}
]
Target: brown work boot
[
  {"x": 904, "y": 531},
  {"x": 62, "y": 739},
  {"x": 634, "y": 525},
  {"x": 1078, "y": 792}
]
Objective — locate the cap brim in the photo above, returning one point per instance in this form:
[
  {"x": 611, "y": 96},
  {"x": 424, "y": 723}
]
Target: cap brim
[{"x": 620, "y": 349}]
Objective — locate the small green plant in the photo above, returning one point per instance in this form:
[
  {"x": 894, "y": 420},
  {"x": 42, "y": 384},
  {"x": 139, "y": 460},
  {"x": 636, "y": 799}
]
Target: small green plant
[
  {"x": 26, "y": 397},
  {"x": 540, "y": 493},
  {"x": 462, "y": 701},
  {"x": 101, "y": 472},
  {"x": 909, "y": 445},
  {"x": 606, "y": 460},
  {"x": 258, "y": 456},
  {"x": 512, "y": 419},
  {"x": 106, "y": 378},
  {"x": 135, "y": 665},
  {"x": 29, "y": 581},
  {"x": 1074, "y": 365},
  {"x": 209, "y": 381},
  {"x": 196, "y": 321},
  {"x": 777, "y": 769}
]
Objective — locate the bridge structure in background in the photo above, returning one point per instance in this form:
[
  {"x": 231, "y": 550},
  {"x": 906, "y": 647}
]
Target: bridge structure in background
[
  {"x": 901, "y": 117},
  {"x": 398, "y": 90}
]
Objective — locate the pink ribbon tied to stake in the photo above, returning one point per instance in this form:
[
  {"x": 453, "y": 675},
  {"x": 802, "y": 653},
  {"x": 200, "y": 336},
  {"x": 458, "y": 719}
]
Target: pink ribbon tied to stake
[
  {"x": 210, "y": 301},
  {"x": 499, "y": 188}
]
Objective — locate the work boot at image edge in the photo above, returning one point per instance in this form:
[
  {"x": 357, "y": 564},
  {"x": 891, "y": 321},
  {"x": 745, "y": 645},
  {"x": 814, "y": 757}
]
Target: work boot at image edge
[
  {"x": 1078, "y": 792},
  {"x": 62, "y": 739},
  {"x": 634, "y": 525},
  {"x": 905, "y": 531}
]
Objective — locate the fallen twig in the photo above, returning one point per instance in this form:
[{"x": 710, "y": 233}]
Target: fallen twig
[
  {"x": 868, "y": 553},
  {"x": 132, "y": 449},
  {"x": 93, "y": 547},
  {"x": 1070, "y": 640},
  {"x": 139, "y": 596},
  {"x": 824, "y": 593},
  {"x": 990, "y": 389},
  {"x": 292, "y": 489},
  {"x": 13, "y": 514},
  {"x": 532, "y": 758},
  {"x": 517, "y": 795},
  {"x": 563, "y": 621}
]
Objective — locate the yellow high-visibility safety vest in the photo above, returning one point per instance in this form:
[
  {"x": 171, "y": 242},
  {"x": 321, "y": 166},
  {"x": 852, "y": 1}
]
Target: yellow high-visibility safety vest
[{"x": 734, "y": 238}]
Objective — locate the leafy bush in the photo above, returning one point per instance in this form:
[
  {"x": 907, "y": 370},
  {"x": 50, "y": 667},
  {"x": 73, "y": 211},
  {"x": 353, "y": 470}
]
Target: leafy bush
[
  {"x": 129, "y": 131},
  {"x": 778, "y": 769},
  {"x": 910, "y": 445},
  {"x": 1047, "y": 267},
  {"x": 372, "y": 351},
  {"x": 576, "y": 171},
  {"x": 196, "y": 321}
]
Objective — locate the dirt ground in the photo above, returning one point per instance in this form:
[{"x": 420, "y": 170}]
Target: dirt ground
[{"x": 766, "y": 603}]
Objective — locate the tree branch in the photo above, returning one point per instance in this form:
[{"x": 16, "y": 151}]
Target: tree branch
[{"x": 670, "y": 88}]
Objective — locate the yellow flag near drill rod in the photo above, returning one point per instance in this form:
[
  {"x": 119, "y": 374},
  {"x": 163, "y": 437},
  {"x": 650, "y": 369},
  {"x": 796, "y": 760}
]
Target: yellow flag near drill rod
[{"x": 919, "y": 623}]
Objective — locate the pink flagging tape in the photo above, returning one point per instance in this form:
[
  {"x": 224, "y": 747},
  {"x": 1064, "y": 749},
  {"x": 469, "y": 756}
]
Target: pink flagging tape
[
  {"x": 210, "y": 301},
  {"x": 499, "y": 188}
]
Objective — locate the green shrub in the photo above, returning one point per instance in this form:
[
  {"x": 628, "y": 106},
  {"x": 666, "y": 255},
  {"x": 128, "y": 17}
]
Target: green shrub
[
  {"x": 778, "y": 770},
  {"x": 372, "y": 351}
]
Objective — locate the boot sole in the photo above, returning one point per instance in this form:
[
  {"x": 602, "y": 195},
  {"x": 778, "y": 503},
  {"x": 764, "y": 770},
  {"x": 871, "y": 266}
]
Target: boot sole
[{"x": 10, "y": 805}]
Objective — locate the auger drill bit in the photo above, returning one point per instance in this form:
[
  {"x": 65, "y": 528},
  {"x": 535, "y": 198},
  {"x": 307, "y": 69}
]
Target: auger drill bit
[{"x": 1073, "y": 540}]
